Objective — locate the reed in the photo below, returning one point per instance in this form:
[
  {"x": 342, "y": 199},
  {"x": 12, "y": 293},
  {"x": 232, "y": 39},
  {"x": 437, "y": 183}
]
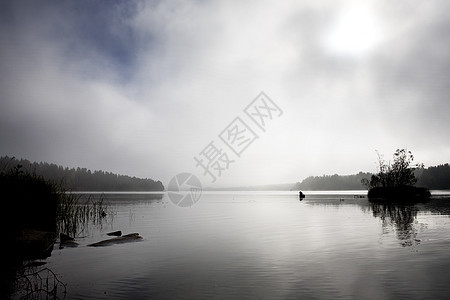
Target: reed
[{"x": 75, "y": 212}]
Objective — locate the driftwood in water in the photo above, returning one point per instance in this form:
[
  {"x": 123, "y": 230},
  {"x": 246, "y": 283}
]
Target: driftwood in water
[
  {"x": 132, "y": 237},
  {"x": 115, "y": 233}
]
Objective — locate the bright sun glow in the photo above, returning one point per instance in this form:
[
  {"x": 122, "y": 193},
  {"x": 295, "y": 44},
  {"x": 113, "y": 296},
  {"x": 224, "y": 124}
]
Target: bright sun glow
[{"x": 355, "y": 32}]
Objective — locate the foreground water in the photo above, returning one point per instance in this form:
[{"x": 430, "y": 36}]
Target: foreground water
[{"x": 262, "y": 245}]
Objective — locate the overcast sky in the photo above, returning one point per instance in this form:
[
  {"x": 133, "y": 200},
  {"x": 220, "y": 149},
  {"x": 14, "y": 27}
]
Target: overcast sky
[{"x": 142, "y": 87}]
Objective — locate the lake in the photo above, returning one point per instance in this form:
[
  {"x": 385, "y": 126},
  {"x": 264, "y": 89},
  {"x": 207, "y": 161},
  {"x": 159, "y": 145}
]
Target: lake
[{"x": 262, "y": 245}]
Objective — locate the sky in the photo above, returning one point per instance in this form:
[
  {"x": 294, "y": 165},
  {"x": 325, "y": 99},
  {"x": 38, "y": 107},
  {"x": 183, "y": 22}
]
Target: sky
[{"x": 156, "y": 88}]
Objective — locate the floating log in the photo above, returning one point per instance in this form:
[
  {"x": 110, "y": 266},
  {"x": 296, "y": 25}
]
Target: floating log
[
  {"x": 115, "y": 233},
  {"x": 131, "y": 237}
]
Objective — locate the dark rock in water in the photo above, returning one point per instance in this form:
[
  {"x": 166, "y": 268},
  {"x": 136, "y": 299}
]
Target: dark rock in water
[
  {"x": 70, "y": 244},
  {"x": 67, "y": 241},
  {"x": 131, "y": 237},
  {"x": 64, "y": 238},
  {"x": 115, "y": 233}
]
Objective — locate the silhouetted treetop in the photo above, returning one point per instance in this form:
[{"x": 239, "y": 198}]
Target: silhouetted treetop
[{"x": 399, "y": 173}]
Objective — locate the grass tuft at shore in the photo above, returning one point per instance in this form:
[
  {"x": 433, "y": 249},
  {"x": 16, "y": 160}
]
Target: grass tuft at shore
[{"x": 36, "y": 211}]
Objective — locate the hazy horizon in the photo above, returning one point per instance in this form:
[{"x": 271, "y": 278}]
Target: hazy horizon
[{"x": 142, "y": 88}]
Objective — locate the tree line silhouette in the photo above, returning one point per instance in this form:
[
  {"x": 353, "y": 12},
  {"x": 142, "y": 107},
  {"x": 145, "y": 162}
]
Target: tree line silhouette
[
  {"x": 436, "y": 178},
  {"x": 81, "y": 179},
  {"x": 333, "y": 182}
]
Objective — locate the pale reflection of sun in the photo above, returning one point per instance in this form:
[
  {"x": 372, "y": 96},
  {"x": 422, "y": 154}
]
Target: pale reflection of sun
[{"x": 355, "y": 31}]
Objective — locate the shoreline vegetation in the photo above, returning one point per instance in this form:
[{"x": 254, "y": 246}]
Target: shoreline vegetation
[
  {"x": 37, "y": 212},
  {"x": 396, "y": 182}
]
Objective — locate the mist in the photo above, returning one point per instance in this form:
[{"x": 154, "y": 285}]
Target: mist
[{"x": 142, "y": 88}]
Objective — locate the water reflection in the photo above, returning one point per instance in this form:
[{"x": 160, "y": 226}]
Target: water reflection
[
  {"x": 401, "y": 218},
  {"x": 241, "y": 245}
]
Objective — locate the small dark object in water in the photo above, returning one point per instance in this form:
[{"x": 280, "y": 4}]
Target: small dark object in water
[
  {"x": 64, "y": 238},
  {"x": 135, "y": 234},
  {"x": 301, "y": 195},
  {"x": 66, "y": 241},
  {"x": 115, "y": 233}
]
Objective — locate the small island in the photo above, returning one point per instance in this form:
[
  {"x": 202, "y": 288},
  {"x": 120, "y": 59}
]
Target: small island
[{"x": 396, "y": 182}]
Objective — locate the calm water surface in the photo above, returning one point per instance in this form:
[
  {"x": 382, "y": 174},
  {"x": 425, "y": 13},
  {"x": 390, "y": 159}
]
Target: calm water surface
[{"x": 263, "y": 245}]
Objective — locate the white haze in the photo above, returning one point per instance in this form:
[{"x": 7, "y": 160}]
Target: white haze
[{"x": 141, "y": 87}]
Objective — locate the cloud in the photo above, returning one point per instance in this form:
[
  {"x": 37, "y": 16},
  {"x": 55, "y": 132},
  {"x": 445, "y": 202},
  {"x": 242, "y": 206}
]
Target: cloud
[{"x": 141, "y": 87}]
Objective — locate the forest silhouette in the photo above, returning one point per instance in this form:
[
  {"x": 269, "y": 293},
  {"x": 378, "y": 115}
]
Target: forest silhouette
[
  {"x": 435, "y": 177},
  {"x": 82, "y": 179}
]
